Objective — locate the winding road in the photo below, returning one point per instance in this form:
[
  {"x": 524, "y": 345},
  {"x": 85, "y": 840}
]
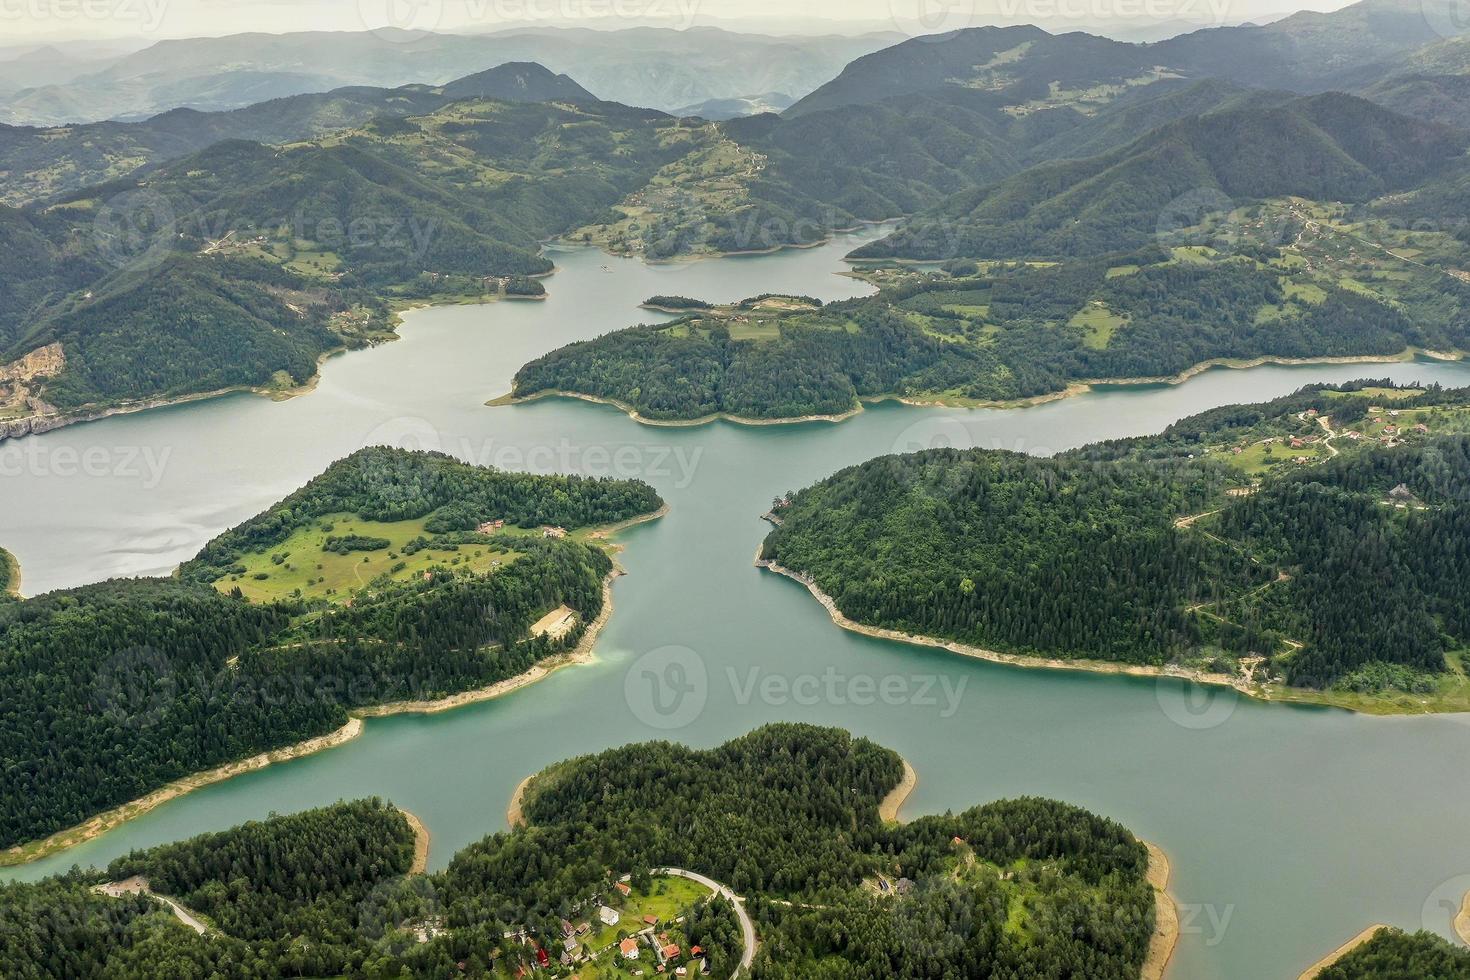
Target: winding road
[{"x": 747, "y": 927}]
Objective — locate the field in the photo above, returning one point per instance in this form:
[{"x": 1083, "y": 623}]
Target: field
[{"x": 304, "y": 569}]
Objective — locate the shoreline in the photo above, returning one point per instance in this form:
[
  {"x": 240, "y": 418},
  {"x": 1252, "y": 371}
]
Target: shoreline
[
  {"x": 1266, "y": 695},
  {"x": 513, "y": 816},
  {"x": 12, "y": 567},
  {"x": 96, "y": 826},
  {"x": 1311, "y": 972},
  {"x": 1166, "y": 916},
  {"x": 1072, "y": 390},
  {"x": 631, "y": 412},
  {"x": 36, "y": 425},
  {"x": 995, "y": 656},
  {"x": 1462, "y": 920},
  {"x": 421, "y": 842},
  {"x": 100, "y": 824},
  {"x": 828, "y": 237},
  {"x": 891, "y": 804}
]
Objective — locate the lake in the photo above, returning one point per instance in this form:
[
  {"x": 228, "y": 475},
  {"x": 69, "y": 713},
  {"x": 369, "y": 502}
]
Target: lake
[{"x": 1290, "y": 829}]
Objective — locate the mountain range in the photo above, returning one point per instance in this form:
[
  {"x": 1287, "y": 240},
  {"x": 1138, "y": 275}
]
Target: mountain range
[
  {"x": 655, "y": 67},
  {"x": 195, "y": 251}
]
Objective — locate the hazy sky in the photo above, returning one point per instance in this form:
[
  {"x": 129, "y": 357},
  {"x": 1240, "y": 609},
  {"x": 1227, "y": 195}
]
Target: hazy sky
[{"x": 30, "y": 21}]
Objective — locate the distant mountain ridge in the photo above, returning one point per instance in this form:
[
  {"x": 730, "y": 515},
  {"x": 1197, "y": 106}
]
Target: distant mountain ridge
[
  {"x": 1307, "y": 52},
  {"x": 1327, "y": 147},
  {"x": 655, "y": 67}
]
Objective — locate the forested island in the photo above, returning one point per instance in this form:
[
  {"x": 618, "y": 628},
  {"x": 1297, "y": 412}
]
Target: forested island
[
  {"x": 282, "y": 627},
  {"x": 1314, "y": 547},
  {"x": 786, "y": 817},
  {"x": 1007, "y": 332}
]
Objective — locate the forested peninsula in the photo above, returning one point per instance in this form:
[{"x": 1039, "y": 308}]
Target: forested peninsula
[
  {"x": 607, "y": 877},
  {"x": 1310, "y": 548},
  {"x": 393, "y": 577},
  {"x": 1009, "y": 332}
]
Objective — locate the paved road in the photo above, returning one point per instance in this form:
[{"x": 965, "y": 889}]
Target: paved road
[{"x": 746, "y": 926}]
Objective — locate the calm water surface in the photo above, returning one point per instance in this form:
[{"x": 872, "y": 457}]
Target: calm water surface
[{"x": 1290, "y": 829}]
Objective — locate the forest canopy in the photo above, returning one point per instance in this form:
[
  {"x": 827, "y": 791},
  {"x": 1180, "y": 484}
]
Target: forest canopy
[{"x": 1025, "y": 887}]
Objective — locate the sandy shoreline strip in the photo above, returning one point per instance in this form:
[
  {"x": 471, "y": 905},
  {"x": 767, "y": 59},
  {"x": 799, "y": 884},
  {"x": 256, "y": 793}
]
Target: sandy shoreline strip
[
  {"x": 12, "y": 566},
  {"x": 1316, "y": 968},
  {"x": 1166, "y": 916},
  {"x": 893, "y": 802},
  {"x": 1462, "y": 920},
  {"x": 513, "y": 815},
  {"x": 632, "y": 413},
  {"x": 110, "y": 819},
  {"x": 994, "y": 656},
  {"x": 103, "y": 822},
  {"x": 421, "y": 839}
]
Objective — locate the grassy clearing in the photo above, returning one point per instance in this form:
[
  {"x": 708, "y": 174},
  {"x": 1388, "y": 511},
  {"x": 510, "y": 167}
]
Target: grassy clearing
[
  {"x": 666, "y": 899},
  {"x": 1098, "y": 323},
  {"x": 309, "y": 571},
  {"x": 755, "y": 330}
]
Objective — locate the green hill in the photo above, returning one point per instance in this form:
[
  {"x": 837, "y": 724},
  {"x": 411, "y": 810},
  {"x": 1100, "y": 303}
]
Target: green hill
[
  {"x": 787, "y": 817},
  {"x": 46, "y": 162},
  {"x": 431, "y": 608},
  {"x": 1331, "y": 570},
  {"x": 1330, "y": 147}
]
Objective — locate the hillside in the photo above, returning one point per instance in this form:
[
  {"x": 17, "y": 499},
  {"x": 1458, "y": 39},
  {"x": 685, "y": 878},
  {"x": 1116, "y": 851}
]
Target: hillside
[
  {"x": 376, "y": 570},
  {"x": 986, "y": 333},
  {"x": 1329, "y": 148},
  {"x": 784, "y": 812},
  {"x": 303, "y": 246},
  {"x": 1331, "y": 570},
  {"x": 1022, "y": 68},
  {"x": 42, "y": 163}
]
